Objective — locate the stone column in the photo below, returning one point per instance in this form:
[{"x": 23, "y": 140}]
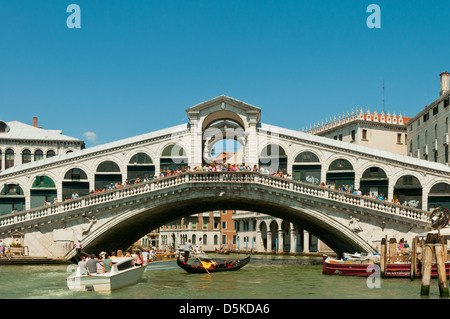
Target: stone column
[
  {"x": 195, "y": 158},
  {"x": 269, "y": 241},
  {"x": 305, "y": 241},
  {"x": 280, "y": 241},
  {"x": 293, "y": 234}
]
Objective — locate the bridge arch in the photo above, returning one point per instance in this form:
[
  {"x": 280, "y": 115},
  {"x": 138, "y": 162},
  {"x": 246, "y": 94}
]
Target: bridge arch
[
  {"x": 75, "y": 180},
  {"x": 107, "y": 173},
  {"x": 438, "y": 195},
  {"x": 408, "y": 189},
  {"x": 173, "y": 156},
  {"x": 341, "y": 172},
  {"x": 307, "y": 167},
  {"x": 140, "y": 165},
  {"x": 223, "y": 115},
  {"x": 374, "y": 180},
  {"x": 154, "y": 211},
  {"x": 12, "y": 197},
  {"x": 43, "y": 190},
  {"x": 273, "y": 156}
]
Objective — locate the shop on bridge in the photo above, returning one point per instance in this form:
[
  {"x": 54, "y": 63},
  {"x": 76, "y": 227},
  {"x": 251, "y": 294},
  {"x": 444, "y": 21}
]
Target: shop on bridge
[{"x": 307, "y": 168}]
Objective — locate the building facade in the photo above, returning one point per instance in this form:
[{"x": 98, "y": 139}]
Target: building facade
[
  {"x": 208, "y": 231},
  {"x": 21, "y": 144}
]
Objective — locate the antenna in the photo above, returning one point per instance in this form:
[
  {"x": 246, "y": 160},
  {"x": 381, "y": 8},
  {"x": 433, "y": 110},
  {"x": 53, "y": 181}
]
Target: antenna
[{"x": 383, "y": 96}]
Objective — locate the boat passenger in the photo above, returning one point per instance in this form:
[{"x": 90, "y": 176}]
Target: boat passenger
[
  {"x": 90, "y": 265},
  {"x": 99, "y": 265},
  {"x": 107, "y": 263},
  {"x": 138, "y": 260}
]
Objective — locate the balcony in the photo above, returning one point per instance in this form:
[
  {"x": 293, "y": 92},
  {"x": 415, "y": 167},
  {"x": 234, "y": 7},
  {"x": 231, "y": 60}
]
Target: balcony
[
  {"x": 435, "y": 145},
  {"x": 425, "y": 150}
]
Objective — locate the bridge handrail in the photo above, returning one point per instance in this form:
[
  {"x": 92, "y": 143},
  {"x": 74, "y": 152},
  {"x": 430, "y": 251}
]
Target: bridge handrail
[{"x": 205, "y": 176}]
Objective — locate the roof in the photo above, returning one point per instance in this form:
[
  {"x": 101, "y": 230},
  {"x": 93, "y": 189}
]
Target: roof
[
  {"x": 96, "y": 149},
  {"x": 356, "y": 148},
  {"x": 394, "y": 120},
  {"x": 21, "y": 131}
]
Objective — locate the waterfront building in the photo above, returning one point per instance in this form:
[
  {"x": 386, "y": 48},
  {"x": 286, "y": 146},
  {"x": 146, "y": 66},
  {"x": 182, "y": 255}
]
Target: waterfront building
[
  {"x": 382, "y": 131},
  {"x": 428, "y": 134},
  {"x": 209, "y": 230},
  {"x": 22, "y": 144},
  {"x": 266, "y": 234}
]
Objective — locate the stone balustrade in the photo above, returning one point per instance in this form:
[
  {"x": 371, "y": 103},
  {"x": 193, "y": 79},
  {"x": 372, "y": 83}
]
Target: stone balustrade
[{"x": 291, "y": 186}]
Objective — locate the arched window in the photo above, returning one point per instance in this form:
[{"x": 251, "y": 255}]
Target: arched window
[
  {"x": 274, "y": 158},
  {"x": 108, "y": 166},
  {"x": 9, "y": 158},
  {"x": 26, "y": 156},
  {"x": 50, "y": 153},
  {"x": 3, "y": 127},
  {"x": 173, "y": 157},
  {"x": 38, "y": 155},
  {"x": 141, "y": 158},
  {"x": 307, "y": 168}
]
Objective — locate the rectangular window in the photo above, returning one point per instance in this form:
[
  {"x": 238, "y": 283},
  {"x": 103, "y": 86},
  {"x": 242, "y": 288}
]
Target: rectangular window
[
  {"x": 436, "y": 110},
  {"x": 364, "y": 135},
  {"x": 224, "y": 239},
  {"x": 399, "y": 138},
  {"x": 340, "y": 137},
  {"x": 224, "y": 225},
  {"x": 353, "y": 135},
  {"x": 426, "y": 117}
]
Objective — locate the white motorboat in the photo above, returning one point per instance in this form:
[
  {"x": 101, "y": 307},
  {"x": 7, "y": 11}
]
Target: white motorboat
[{"x": 123, "y": 273}]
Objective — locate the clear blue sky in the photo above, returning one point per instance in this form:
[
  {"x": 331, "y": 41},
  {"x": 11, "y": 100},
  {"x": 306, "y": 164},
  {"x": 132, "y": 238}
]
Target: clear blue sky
[{"x": 135, "y": 66}]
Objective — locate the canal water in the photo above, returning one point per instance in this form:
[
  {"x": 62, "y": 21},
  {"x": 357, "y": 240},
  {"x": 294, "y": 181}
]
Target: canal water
[{"x": 266, "y": 277}]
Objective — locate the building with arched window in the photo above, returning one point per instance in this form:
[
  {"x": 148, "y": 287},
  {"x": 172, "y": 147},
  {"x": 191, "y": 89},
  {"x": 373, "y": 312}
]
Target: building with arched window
[{"x": 21, "y": 143}]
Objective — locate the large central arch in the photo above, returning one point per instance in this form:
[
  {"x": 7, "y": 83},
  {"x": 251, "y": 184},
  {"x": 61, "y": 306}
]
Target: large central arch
[{"x": 133, "y": 221}]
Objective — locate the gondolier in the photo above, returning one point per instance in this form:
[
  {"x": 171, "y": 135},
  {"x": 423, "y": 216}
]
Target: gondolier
[{"x": 187, "y": 249}]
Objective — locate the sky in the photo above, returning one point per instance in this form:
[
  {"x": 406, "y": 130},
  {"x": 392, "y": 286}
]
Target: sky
[{"x": 135, "y": 66}]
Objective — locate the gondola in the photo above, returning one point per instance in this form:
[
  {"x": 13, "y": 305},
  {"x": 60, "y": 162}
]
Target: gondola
[
  {"x": 224, "y": 252},
  {"x": 222, "y": 265}
]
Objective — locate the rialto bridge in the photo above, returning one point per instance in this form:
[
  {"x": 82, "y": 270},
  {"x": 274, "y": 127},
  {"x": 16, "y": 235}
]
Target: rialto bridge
[{"x": 315, "y": 166}]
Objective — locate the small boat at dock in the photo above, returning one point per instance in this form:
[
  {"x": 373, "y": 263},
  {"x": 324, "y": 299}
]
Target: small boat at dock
[
  {"x": 364, "y": 267},
  {"x": 162, "y": 262},
  {"x": 123, "y": 273}
]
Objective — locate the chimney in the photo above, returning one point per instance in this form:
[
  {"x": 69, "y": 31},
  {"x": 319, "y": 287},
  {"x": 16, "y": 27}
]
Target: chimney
[
  {"x": 35, "y": 121},
  {"x": 445, "y": 76}
]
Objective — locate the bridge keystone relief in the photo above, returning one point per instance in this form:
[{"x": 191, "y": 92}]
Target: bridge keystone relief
[{"x": 303, "y": 194}]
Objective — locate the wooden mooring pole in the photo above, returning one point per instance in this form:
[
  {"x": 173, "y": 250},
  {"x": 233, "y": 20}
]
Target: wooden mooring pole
[
  {"x": 433, "y": 243},
  {"x": 440, "y": 265},
  {"x": 414, "y": 259},
  {"x": 383, "y": 257},
  {"x": 427, "y": 257}
]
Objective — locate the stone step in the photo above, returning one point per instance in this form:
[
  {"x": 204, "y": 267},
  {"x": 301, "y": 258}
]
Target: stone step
[{"x": 28, "y": 260}]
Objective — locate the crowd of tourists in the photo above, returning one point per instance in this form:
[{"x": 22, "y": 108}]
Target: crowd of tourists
[{"x": 102, "y": 263}]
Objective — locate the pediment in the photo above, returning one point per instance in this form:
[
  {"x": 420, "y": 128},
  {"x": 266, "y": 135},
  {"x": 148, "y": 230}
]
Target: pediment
[{"x": 224, "y": 102}]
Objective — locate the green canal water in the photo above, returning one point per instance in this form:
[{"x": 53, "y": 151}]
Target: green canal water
[{"x": 264, "y": 278}]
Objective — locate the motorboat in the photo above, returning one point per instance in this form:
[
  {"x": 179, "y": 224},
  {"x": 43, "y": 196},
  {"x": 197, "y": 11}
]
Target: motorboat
[
  {"x": 364, "y": 266},
  {"x": 123, "y": 273},
  {"x": 162, "y": 262}
]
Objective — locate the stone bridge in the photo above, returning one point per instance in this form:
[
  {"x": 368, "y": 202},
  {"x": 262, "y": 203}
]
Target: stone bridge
[{"x": 114, "y": 219}]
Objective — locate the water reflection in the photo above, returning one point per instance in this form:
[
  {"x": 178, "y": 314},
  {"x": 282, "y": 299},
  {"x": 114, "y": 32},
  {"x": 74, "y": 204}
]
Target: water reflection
[{"x": 258, "y": 280}]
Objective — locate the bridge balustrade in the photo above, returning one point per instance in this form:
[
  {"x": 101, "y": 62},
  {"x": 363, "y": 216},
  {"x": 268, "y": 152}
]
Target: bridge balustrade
[{"x": 216, "y": 177}]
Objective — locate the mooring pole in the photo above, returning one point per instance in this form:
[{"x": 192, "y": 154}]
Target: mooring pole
[{"x": 426, "y": 266}]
